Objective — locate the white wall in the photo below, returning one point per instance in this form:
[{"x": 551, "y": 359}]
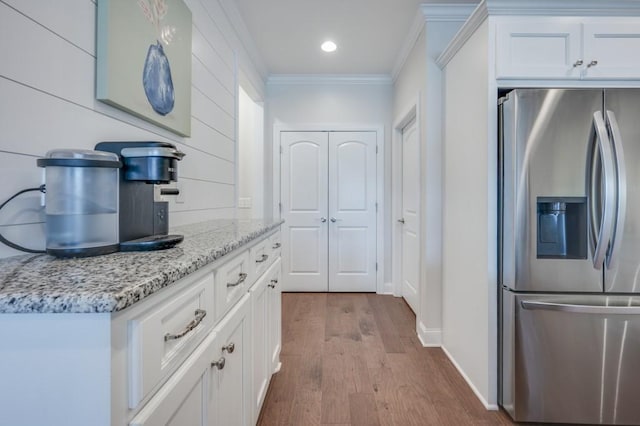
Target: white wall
[
  {"x": 468, "y": 287},
  {"x": 250, "y": 157},
  {"x": 327, "y": 103},
  {"x": 421, "y": 77},
  {"x": 47, "y": 80}
]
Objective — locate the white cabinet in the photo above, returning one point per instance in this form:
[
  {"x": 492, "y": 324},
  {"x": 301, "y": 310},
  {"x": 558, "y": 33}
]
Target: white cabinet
[
  {"x": 266, "y": 326},
  {"x": 182, "y": 356},
  {"x": 567, "y": 48},
  {"x": 274, "y": 316},
  {"x": 230, "y": 375},
  {"x": 182, "y": 401},
  {"x": 615, "y": 47}
]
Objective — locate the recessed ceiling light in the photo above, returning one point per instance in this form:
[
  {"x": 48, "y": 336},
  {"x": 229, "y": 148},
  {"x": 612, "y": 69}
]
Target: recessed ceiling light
[{"x": 328, "y": 46}]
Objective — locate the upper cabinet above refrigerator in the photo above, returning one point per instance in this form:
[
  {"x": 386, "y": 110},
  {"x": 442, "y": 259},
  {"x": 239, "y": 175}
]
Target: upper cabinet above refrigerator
[{"x": 561, "y": 48}]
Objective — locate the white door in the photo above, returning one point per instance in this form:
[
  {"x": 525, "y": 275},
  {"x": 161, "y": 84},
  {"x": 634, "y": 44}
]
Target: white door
[
  {"x": 352, "y": 211},
  {"x": 328, "y": 197},
  {"x": 304, "y": 190},
  {"x": 410, "y": 219}
]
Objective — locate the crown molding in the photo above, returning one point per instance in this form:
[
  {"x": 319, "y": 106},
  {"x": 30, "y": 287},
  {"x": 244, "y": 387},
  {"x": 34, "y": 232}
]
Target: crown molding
[
  {"x": 564, "y": 7},
  {"x": 432, "y": 12},
  {"x": 582, "y": 8},
  {"x": 443, "y": 12},
  {"x": 478, "y": 16},
  {"x": 319, "y": 79}
]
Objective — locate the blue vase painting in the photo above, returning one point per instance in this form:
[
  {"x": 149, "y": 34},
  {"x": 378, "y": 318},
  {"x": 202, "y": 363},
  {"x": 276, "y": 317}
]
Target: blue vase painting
[
  {"x": 156, "y": 80},
  {"x": 156, "y": 75}
]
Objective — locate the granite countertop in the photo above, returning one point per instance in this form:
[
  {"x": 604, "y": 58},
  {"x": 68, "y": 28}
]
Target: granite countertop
[{"x": 110, "y": 283}]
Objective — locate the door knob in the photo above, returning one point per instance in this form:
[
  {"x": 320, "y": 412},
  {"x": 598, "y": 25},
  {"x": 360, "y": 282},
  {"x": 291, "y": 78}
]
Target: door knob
[
  {"x": 401, "y": 220},
  {"x": 323, "y": 219},
  {"x": 333, "y": 219}
]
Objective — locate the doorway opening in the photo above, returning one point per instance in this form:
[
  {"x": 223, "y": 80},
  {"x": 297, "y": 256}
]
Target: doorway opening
[{"x": 250, "y": 187}]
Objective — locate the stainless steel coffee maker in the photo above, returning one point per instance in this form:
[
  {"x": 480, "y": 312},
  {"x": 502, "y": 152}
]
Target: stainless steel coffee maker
[{"x": 144, "y": 220}]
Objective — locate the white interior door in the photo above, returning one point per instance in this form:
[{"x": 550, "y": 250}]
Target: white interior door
[
  {"x": 410, "y": 210},
  {"x": 352, "y": 211},
  {"x": 304, "y": 189}
]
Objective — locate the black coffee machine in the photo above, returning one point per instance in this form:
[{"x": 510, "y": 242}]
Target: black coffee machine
[{"x": 144, "y": 222}]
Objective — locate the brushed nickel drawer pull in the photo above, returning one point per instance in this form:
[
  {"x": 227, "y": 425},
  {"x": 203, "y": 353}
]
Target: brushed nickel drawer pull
[
  {"x": 277, "y": 245},
  {"x": 219, "y": 364},
  {"x": 242, "y": 276},
  {"x": 229, "y": 348},
  {"x": 263, "y": 258},
  {"x": 200, "y": 314},
  {"x": 273, "y": 283}
]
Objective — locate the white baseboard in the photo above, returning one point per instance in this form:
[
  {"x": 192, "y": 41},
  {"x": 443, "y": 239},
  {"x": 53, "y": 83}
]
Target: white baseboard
[
  {"x": 429, "y": 337},
  {"x": 387, "y": 289},
  {"x": 490, "y": 407}
]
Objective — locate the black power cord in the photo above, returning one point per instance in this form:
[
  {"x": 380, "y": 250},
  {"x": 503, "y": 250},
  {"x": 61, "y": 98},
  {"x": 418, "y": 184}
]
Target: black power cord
[{"x": 41, "y": 188}]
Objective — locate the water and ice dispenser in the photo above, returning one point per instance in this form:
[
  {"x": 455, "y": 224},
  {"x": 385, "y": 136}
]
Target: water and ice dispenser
[{"x": 561, "y": 228}]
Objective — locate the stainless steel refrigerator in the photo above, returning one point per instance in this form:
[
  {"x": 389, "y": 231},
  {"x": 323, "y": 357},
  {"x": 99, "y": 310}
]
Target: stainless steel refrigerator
[{"x": 569, "y": 247}]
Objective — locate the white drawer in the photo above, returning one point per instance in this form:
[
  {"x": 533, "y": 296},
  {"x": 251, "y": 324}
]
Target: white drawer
[
  {"x": 276, "y": 245},
  {"x": 162, "y": 337},
  {"x": 261, "y": 257},
  {"x": 233, "y": 279}
]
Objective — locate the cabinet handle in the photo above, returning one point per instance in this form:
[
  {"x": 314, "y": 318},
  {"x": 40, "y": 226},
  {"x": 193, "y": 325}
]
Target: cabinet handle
[
  {"x": 592, "y": 64},
  {"x": 219, "y": 364},
  {"x": 277, "y": 245},
  {"x": 263, "y": 258},
  {"x": 229, "y": 348},
  {"x": 578, "y": 63},
  {"x": 241, "y": 277},
  {"x": 200, "y": 314},
  {"x": 273, "y": 283}
]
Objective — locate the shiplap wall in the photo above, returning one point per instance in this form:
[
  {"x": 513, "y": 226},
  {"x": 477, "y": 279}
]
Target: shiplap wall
[{"x": 47, "y": 101}]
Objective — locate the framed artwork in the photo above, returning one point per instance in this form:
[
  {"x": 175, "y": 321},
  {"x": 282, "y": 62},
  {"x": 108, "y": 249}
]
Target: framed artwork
[{"x": 144, "y": 60}]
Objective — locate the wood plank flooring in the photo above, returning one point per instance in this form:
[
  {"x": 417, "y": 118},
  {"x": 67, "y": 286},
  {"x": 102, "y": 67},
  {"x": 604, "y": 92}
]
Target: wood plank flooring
[{"x": 354, "y": 359}]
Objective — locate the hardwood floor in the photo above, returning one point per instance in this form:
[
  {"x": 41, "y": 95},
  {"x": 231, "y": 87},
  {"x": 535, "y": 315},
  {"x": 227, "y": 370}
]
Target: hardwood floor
[{"x": 354, "y": 359}]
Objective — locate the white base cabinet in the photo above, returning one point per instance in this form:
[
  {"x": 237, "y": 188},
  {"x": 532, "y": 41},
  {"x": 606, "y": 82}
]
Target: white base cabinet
[{"x": 179, "y": 357}]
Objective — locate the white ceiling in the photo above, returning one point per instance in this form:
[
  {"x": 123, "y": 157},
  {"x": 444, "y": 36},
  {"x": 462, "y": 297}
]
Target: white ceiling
[{"x": 369, "y": 33}]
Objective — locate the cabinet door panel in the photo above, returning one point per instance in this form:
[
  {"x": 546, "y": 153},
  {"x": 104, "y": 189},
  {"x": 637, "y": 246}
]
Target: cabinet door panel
[
  {"x": 230, "y": 389},
  {"x": 274, "y": 314},
  {"x": 615, "y": 47},
  {"x": 538, "y": 49},
  {"x": 260, "y": 298},
  {"x": 181, "y": 401}
]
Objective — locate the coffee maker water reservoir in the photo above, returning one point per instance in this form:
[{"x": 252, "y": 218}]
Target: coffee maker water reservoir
[{"x": 81, "y": 202}]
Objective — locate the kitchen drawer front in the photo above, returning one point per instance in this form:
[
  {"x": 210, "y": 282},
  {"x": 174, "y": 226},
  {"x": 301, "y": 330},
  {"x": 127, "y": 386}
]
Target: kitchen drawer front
[
  {"x": 233, "y": 279},
  {"x": 182, "y": 400},
  {"x": 276, "y": 244},
  {"x": 162, "y": 337},
  {"x": 261, "y": 256}
]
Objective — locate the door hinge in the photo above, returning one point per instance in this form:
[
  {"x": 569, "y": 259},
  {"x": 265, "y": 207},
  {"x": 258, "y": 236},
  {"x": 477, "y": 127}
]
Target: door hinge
[
  {"x": 376, "y": 266},
  {"x": 280, "y": 207},
  {"x": 376, "y": 149},
  {"x": 376, "y": 207},
  {"x": 281, "y": 150}
]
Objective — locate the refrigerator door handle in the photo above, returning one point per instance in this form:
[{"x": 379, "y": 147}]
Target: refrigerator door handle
[
  {"x": 621, "y": 193},
  {"x": 608, "y": 189},
  {"x": 580, "y": 309}
]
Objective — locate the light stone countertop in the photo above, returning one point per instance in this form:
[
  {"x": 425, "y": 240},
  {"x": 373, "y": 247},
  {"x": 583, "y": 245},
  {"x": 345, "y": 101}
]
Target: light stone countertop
[{"x": 110, "y": 283}]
